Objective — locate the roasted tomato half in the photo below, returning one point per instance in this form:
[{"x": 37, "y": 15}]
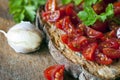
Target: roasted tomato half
[
  {"x": 51, "y": 16},
  {"x": 89, "y": 51},
  {"x": 54, "y": 72},
  {"x": 65, "y": 24},
  {"x": 116, "y": 8},
  {"x": 109, "y": 43},
  {"x": 78, "y": 43},
  {"x": 66, "y": 38},
  {"x": 93, "y": 33},
  {"x": 73, "y": 15},
  {"x": 102, "y": 59},
  {"x": 50, "y": 5},
  {"x": 112, "y": 53},
  {"x": 100, "y": 26}
]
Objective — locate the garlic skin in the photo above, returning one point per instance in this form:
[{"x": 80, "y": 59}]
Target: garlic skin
[{"x": 24, "y": 37}]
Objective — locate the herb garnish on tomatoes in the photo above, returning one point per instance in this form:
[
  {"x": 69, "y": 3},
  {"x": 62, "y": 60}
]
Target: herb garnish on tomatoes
[{"x": 89, "y": 16}]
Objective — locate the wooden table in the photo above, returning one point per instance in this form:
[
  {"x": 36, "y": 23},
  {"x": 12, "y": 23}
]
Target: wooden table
[{"x": 16, "y": 66}]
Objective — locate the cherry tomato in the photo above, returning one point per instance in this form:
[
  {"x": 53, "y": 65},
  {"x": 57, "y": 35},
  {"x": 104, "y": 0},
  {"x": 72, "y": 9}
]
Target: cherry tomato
[
  {"x": 100, "y": 26},
  {"x": 69, "y": 11},
  {"x": 113, "y": 43},
  {"x": 64, "y": 10},
  {"x": 93, "y": 33},
  {"x": 109, "y": 1},
  {"x": 59, "y": 24},
  {"x": 51, "y": 16},
  {"x": 73, "y": 15},
  {"x": 50, "y": 5},
  {"x": 118, "y": 40},
  {"x": 116, "y": 8},
  {"x": 66, "y": 38},
  {"x": 112, "y": 53},
  {"x": 99, "y": 7},
  {"x": 109, "y": 43},
  {"x": 89, "y": 51},
  {"x": 54, "y": 72},
  {"x": 111, "y": 34},
  {"x": 65, "y": 25},
  {"x": 78, "y": 43},
  {"x": 103, "y": 59}
]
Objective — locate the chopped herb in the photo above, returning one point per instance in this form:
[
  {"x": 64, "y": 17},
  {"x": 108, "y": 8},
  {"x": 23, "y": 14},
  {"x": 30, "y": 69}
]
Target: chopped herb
[
  {"x": 77, "y": 2},
  {"x": 66, "y": 1},
  {"x": 88, "y": 3},
  {"x": 24, "y": 9},
  {"x": 88, "y": 15}
]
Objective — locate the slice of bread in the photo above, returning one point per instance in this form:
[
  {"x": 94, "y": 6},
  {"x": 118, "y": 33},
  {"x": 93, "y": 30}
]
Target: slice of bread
[{"x": 74, "y": 62}]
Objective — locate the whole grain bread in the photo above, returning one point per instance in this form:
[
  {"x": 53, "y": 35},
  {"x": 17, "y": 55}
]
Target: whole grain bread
[{"x": 74, "y": 62}]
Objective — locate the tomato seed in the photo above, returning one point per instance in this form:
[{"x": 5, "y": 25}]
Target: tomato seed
[
  {"x": 56, "y": 79},
  {"x": 57, "y": 75}
]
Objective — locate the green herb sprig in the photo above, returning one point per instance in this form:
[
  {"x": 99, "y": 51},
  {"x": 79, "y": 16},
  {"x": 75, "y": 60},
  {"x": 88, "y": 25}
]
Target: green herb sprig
[
  {"x": 89, "y": 17},
  {"x": 76, "y": 2},
  {"x": 24, "y": 9}
]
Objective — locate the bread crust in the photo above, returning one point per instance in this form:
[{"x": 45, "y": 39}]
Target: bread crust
[{"x": 74, "y": 62}]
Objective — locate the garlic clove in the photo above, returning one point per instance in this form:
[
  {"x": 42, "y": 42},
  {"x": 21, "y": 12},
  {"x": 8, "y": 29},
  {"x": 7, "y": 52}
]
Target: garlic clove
[{"x": 24, "y": 37}]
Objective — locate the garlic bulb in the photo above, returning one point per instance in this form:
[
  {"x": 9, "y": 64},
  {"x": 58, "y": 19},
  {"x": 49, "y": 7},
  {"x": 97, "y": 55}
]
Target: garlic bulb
[{"x": 24, "y": 37}]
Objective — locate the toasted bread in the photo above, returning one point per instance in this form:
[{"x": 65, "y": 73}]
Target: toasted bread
[{"x": 74, "y": 62}]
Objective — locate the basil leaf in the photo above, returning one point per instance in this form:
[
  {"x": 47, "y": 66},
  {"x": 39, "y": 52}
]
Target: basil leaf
[
  {"x": 66, "y": 1},
  {"x": 30, "y": 12},
  {"x": 77, "y": 2},
  {"x": 89, "y": 2},
  {"x": 88, "y": 15},
  {"x": 24, "y": 9}
]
